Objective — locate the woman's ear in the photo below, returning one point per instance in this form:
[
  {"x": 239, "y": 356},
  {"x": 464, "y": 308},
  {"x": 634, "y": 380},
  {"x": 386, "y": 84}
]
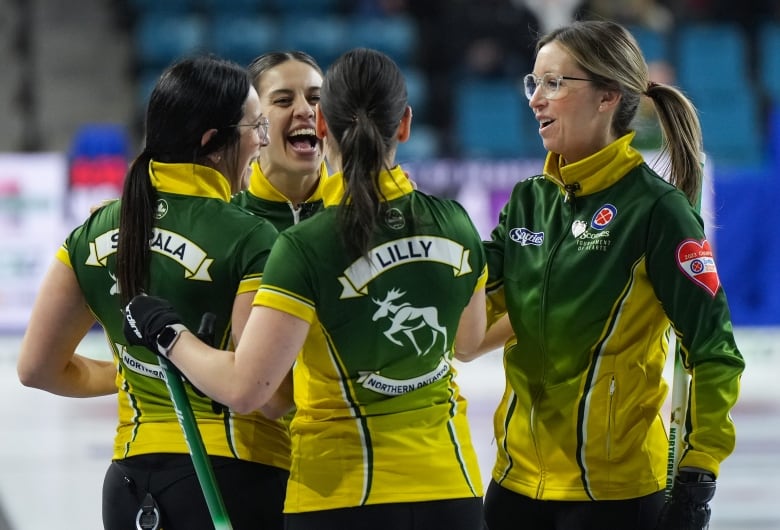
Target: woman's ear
[
  {"x": 405, "y": 127},
  {"x": 206, "y": 138},
  {"x": 320, "y": 127},
  {"x": 609, "y": 98}
]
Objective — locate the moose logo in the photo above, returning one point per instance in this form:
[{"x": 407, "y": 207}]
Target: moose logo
[{"x": 407, "y": 319}]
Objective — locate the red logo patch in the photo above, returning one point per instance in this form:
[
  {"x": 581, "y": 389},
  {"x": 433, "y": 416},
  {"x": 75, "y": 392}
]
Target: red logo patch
[{"x": 695, "y": 260}]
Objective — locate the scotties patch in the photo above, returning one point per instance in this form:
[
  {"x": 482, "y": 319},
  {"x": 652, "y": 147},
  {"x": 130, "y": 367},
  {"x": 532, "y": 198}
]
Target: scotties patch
[{"x": 695, "y": 260}]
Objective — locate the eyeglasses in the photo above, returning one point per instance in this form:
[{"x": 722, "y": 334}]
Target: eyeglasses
[
  {"x": 261, "y": 127},
  {"x": 550, "y": 85}
]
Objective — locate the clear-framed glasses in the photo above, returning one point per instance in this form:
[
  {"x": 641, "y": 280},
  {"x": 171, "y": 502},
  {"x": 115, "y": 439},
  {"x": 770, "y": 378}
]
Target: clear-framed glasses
[
  {"x": 261, "y": 127},
  {"x": 549, "y": 84}
]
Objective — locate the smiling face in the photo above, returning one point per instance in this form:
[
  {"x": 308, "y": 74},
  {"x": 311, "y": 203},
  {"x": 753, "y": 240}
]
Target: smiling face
[
  {"x": 576, "y": 123},
  {"x": 289, "y": 93}
]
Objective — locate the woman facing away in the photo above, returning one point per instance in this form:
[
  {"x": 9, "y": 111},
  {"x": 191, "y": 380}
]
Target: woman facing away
[
  {"x": 375, "y": 292},
  {"x": 595, "y": 261},
  {"x": 173, "y": 234}
]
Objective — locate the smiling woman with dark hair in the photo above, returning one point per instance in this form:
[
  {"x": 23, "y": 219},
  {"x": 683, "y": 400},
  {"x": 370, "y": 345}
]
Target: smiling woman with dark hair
[
  {"x": 286, "y": 183},
  {"x": 172, "y": 234}
]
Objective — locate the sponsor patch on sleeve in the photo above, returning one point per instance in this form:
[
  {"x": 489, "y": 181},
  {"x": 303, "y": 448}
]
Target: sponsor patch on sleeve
[
  {"x": 526, "y": 237},
  {"x": 695, "y": 260}
]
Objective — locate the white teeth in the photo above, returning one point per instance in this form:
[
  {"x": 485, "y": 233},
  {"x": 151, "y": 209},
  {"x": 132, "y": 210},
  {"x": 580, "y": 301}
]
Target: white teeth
[{"x": 303, "y": 132}]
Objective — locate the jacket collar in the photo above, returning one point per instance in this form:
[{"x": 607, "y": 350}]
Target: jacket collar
[
  {"x": 596, "y": 172},
  {"x": 392, "y": 184},
  {"x": 261, "y": 187},
  {"x": 189, "y": 179}
]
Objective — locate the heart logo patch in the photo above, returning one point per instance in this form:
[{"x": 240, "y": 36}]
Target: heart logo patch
[
  {"x": 578, "y": 227},
  {"x": 695, "y": 260}
]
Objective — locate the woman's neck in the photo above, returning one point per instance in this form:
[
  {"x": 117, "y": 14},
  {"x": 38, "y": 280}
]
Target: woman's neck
[{"x": 296, "y": 189}]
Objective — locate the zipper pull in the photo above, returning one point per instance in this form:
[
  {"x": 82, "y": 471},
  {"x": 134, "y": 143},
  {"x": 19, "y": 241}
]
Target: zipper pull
[
  {"x": 296, "y": 211},
  {"x": 571, "y": 189}
]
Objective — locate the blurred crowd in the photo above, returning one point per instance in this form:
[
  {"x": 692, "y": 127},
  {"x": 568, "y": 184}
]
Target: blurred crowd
[{"x": 494, "y": 38}]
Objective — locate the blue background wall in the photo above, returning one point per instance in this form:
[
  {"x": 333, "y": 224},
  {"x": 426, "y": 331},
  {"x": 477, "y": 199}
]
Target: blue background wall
[{"x": 747, "y": 217}]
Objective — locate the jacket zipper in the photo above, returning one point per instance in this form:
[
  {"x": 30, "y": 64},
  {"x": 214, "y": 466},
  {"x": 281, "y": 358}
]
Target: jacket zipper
[
  {"x": 609, "y": 416},
  {"x": 570, "y": 189},
  {"x": 296, "y": 212}
]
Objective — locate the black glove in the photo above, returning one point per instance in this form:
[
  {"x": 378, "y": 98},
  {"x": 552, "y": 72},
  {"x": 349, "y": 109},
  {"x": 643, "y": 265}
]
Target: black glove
[
  {"x": 146, "y": 317},
  {"x": 688, "y": 506}
]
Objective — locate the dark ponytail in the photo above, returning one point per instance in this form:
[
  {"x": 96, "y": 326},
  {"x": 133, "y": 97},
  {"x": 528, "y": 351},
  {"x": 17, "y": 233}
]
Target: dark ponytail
[
  {"x": 136, "y": 217},
  {"x": 363, "y": 99},
  {"x": 191, "y": 97}
]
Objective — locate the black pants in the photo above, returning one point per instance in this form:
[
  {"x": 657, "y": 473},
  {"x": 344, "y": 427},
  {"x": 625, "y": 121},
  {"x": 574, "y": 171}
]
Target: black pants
[
  {"x": 253, "y": 493},
  {"x": 454, "y": 514},
  {"x": 506, "y": 510}
]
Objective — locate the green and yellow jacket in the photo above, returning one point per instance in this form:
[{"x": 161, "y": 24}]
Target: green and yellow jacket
[
  {"x": 205, "y": 252},
  {"x": 379, "y": 416},
  {"x": 597, "y": 262}
]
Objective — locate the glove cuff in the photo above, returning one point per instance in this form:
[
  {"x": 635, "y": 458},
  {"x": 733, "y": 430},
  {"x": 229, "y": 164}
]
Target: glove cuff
[
  {"x": 694, "y": 492},
  {"x": 690, "y": 474}
]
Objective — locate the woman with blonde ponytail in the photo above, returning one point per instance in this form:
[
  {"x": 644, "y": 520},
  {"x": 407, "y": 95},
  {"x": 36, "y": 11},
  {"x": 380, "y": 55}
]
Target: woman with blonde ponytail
[{"x": 596, "y": 261}]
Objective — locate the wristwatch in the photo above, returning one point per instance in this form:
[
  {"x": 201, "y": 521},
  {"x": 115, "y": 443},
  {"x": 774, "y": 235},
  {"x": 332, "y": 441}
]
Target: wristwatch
[{"x": 168, "y": 337}]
